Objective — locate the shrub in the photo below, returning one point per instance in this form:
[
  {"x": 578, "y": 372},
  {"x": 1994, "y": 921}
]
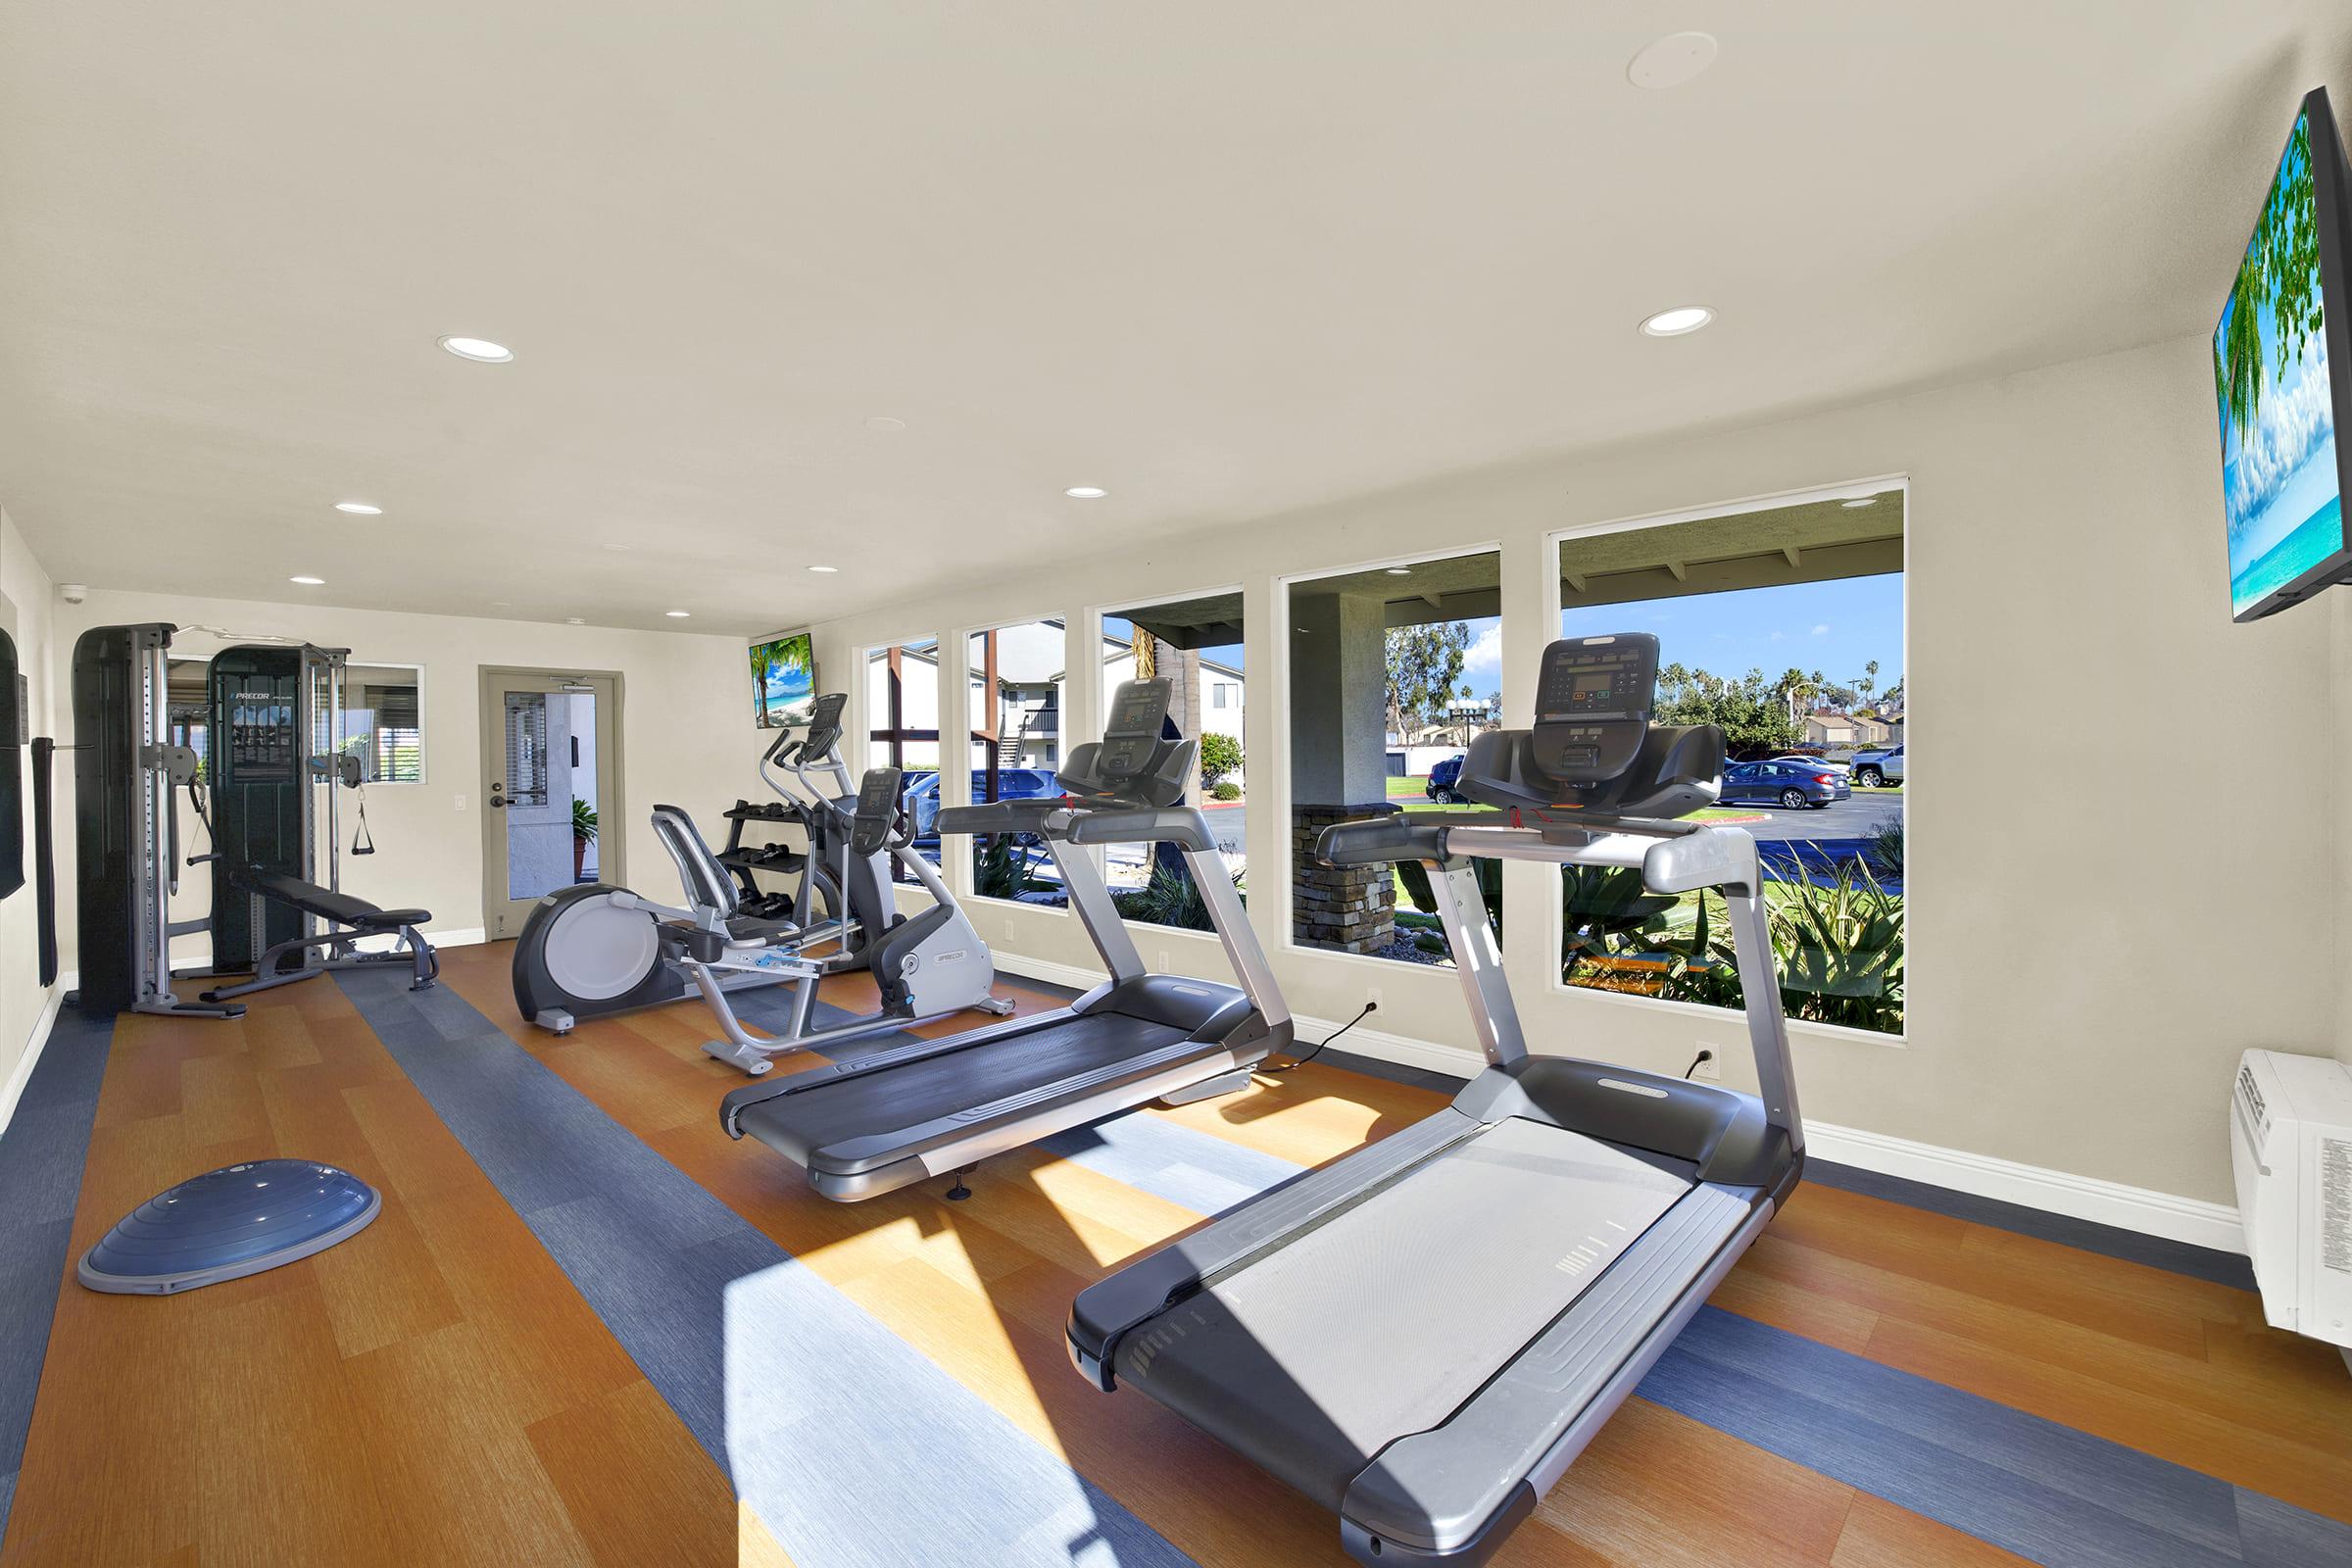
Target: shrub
[
  {"x": 1170, "y": 898},
  {"x": 1220, "y": 755},
  {"x": 1885, "y": 846},
  {"x": 1413, "y": 875},
  {"x": 1226, "y": 790},
  {"x": 1001, "y": 871}
]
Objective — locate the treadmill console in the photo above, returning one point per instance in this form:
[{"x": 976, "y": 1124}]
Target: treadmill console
[
  {"x": 1130, "y": 728},
  {"x": 1593, "y": 705},
  {"x": 878, "y": 805},
  {"x": 824, "y": 726}
]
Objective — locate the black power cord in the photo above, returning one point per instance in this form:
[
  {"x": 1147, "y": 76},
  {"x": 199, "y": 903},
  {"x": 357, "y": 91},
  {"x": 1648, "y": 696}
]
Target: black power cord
[
  {"x": 1301, "y": 1061},
  {"x": 1704, "y": 1055}
]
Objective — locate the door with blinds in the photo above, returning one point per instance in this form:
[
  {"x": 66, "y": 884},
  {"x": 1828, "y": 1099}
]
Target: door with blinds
[{"x": 551, "y": 782}]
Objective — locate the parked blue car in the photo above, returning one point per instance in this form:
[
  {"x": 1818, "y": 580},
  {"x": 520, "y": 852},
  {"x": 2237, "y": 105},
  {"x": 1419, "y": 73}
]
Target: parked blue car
[
  {"x": 920, "y": 792},
  {"x": 1790, "y": 784},
  {"x": 1445, "y": 781}
]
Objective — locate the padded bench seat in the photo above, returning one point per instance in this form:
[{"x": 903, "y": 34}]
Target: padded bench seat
[{"x": 327, "y": 904}]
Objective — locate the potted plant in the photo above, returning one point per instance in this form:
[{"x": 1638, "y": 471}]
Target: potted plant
[{"x": 583, "y": 834}]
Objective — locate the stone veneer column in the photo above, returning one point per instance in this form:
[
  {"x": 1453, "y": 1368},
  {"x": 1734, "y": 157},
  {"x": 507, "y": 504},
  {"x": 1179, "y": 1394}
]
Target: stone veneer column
[{"x": 1352, "y": 909}]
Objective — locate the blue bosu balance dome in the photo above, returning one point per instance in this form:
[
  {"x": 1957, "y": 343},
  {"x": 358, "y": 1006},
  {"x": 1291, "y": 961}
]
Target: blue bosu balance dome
[{"x": 229, "y": 1223}]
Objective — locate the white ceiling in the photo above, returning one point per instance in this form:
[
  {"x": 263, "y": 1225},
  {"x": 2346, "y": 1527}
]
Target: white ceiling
[{"x": 1224, "y": 258}]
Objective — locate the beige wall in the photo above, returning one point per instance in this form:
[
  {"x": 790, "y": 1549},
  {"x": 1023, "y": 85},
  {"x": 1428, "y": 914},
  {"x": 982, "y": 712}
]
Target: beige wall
[
  {"x": 26, "y": 598},
  {"x": 2092, "y": 941},
  {"x": 689, "y": 738}
]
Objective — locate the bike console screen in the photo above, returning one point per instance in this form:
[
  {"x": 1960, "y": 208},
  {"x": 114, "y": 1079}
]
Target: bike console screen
[{"x": 1592, "y": 705}]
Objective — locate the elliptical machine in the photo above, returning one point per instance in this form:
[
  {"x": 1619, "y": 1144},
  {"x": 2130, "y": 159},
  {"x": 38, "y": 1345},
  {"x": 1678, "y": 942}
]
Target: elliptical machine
[{"x": 591, "y": 950}]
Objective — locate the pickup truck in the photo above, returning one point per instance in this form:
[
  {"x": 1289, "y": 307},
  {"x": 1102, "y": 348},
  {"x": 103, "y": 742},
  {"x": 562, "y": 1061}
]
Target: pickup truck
[{"x": 1879, "y": 767}]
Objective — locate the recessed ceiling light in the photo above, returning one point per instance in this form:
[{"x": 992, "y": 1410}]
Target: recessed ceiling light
[
  {"x": 1675, "y": 322},
  {"x": 1672, "y": 61},
  {"x": 677, "y": 615},
  {"x": 825, "y": 569},
  {"x": 885, "y": 421},
  {"x": 309, "y": 582},
  {"x": 575, "y": 621},
  {"x": 359, "y": 508},
  {"x": 502, "y": 604},
  {"x": 1401, "y": 571},
  {"x": 620, "y": 550},
  {"x": 479, "y": 349},
  {"x": 1859, "y": 501},
  {"x": 1086, "y": 492}
]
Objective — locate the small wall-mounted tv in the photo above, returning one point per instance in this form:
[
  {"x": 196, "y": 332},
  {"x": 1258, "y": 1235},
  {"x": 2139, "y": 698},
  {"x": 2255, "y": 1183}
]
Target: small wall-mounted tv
[
  {"x": 2282, "y": 376},
  {"x": 784, "y": 681}
]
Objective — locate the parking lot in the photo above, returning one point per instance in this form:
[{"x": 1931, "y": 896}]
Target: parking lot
[{"x": 1840, "y": 819}]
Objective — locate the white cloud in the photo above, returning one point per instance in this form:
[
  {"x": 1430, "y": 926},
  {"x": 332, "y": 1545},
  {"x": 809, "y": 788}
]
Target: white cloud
[
  {"x": 1776, "y": 636},
  {"x": 1822, "y": 630},
  {"x": 1482, "y": 661},
  {"x": 2290, "y": 426}
]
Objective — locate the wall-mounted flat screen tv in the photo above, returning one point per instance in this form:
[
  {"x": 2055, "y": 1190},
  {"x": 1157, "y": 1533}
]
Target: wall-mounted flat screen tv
[
  {"x": 784, "y": 681},
  {"x": 2282, "y": 373}
]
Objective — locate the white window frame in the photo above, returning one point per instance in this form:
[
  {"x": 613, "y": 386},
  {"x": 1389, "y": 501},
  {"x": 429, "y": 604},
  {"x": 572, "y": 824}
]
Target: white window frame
[
  {"x": 1284, "y": 900},
  {"x": 1556, "y": 919}
]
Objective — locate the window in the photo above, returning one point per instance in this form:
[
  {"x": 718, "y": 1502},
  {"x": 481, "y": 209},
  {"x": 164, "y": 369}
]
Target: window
[
  {"x": 1392, "y": 669},
  {"x": 901, "y": 706},
  {"x": 1015, "y": 675},
  {"x": 526, "y": 749},
  {"x": 383, "y": 721},
  {"x": 1784, "y": 625},
  {"x": 1196, "y": 643}
]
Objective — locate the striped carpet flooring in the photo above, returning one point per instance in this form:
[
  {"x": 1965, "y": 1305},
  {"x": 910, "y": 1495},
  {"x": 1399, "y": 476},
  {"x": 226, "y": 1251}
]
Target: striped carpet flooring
[{"x": 590, "y": 1328}]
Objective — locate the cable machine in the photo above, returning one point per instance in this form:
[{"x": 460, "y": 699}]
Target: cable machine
[{"x": 273, "y": 741}]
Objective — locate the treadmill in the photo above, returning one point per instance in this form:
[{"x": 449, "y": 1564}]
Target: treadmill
[
  {"x": 935, "y": 1107},
  {"x": 1423, "y": 1335}
]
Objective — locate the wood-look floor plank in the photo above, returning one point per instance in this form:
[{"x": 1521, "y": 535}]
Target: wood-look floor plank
[
  {"x": 381, "y": 1402},
  {"x": 669, "y": 1505},
  {"x": 1879, "y": 1535}
]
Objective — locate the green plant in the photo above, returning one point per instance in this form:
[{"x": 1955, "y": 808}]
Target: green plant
[
  {"x": 1171, "y": 899},
  {"x": 583, "y": 821},
  {"x": 1220, "y": 755},
  {"x": 1413, "y": 877},
  {"x": 1602, "y": 909},
  {"x": 1837, "y": 947},
  {"x": 1885, "y": 845},
  {"x": 1002, "y": 868},
  {"x": 1226, "y": 790}
]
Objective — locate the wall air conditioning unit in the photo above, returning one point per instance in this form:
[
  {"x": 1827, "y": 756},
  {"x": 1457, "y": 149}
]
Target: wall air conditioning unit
[{"x": 2290, "y": 1142}]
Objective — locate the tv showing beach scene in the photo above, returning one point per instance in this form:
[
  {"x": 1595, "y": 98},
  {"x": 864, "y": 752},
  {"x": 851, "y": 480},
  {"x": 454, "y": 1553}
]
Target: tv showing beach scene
[
  {"x": 2281, "y": 482},
  {"x": 784, "y": 681}
]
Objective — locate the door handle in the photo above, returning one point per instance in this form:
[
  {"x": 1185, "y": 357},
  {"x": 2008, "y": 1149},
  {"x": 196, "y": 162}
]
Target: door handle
[{"x": 497, "y": 800}]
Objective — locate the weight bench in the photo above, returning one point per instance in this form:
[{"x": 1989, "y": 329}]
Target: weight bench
[{"x": 349, "y": 919}]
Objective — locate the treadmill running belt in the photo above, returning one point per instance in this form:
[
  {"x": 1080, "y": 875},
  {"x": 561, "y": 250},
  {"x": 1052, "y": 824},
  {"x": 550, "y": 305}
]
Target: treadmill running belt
[
  {"x": 1382, "y": 1321},
  {"x": 890, "y": 1099}
]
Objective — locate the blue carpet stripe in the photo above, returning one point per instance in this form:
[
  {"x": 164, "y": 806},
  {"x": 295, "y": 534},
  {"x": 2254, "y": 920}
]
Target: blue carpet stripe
[
  {"x": 854, "y": 1447},
  {"x": 2061, "y": 1496},
  {"x": 41, "y": 1160}
]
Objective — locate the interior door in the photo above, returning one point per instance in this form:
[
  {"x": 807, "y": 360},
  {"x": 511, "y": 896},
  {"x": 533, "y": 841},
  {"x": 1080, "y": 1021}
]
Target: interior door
[{"x": 551, "y": 749}]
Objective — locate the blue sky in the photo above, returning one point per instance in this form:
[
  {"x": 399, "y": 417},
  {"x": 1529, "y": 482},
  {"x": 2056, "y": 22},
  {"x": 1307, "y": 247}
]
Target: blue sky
[{"x": 1834, "y": 627}]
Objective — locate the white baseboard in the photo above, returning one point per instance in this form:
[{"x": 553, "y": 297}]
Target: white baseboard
[
  {"x": 190, "y": 957},
  {"x": 29, "y": 1058},
  {"x": 1075, "y": 976},
  {"x": 2053, "y": 1192}
]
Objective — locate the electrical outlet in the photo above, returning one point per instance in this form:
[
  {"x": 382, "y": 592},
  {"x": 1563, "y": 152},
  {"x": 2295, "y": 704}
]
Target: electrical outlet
[
  {"x": 1163, "y": 960},
  {"x": 1711, "y": 1069},
  {"x": 1372, "y": 995},
  {"x": 461, "y": 802}
]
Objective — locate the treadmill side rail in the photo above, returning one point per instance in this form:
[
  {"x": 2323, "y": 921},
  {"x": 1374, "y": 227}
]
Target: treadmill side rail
[{"x": 1451, "y": 1494}]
